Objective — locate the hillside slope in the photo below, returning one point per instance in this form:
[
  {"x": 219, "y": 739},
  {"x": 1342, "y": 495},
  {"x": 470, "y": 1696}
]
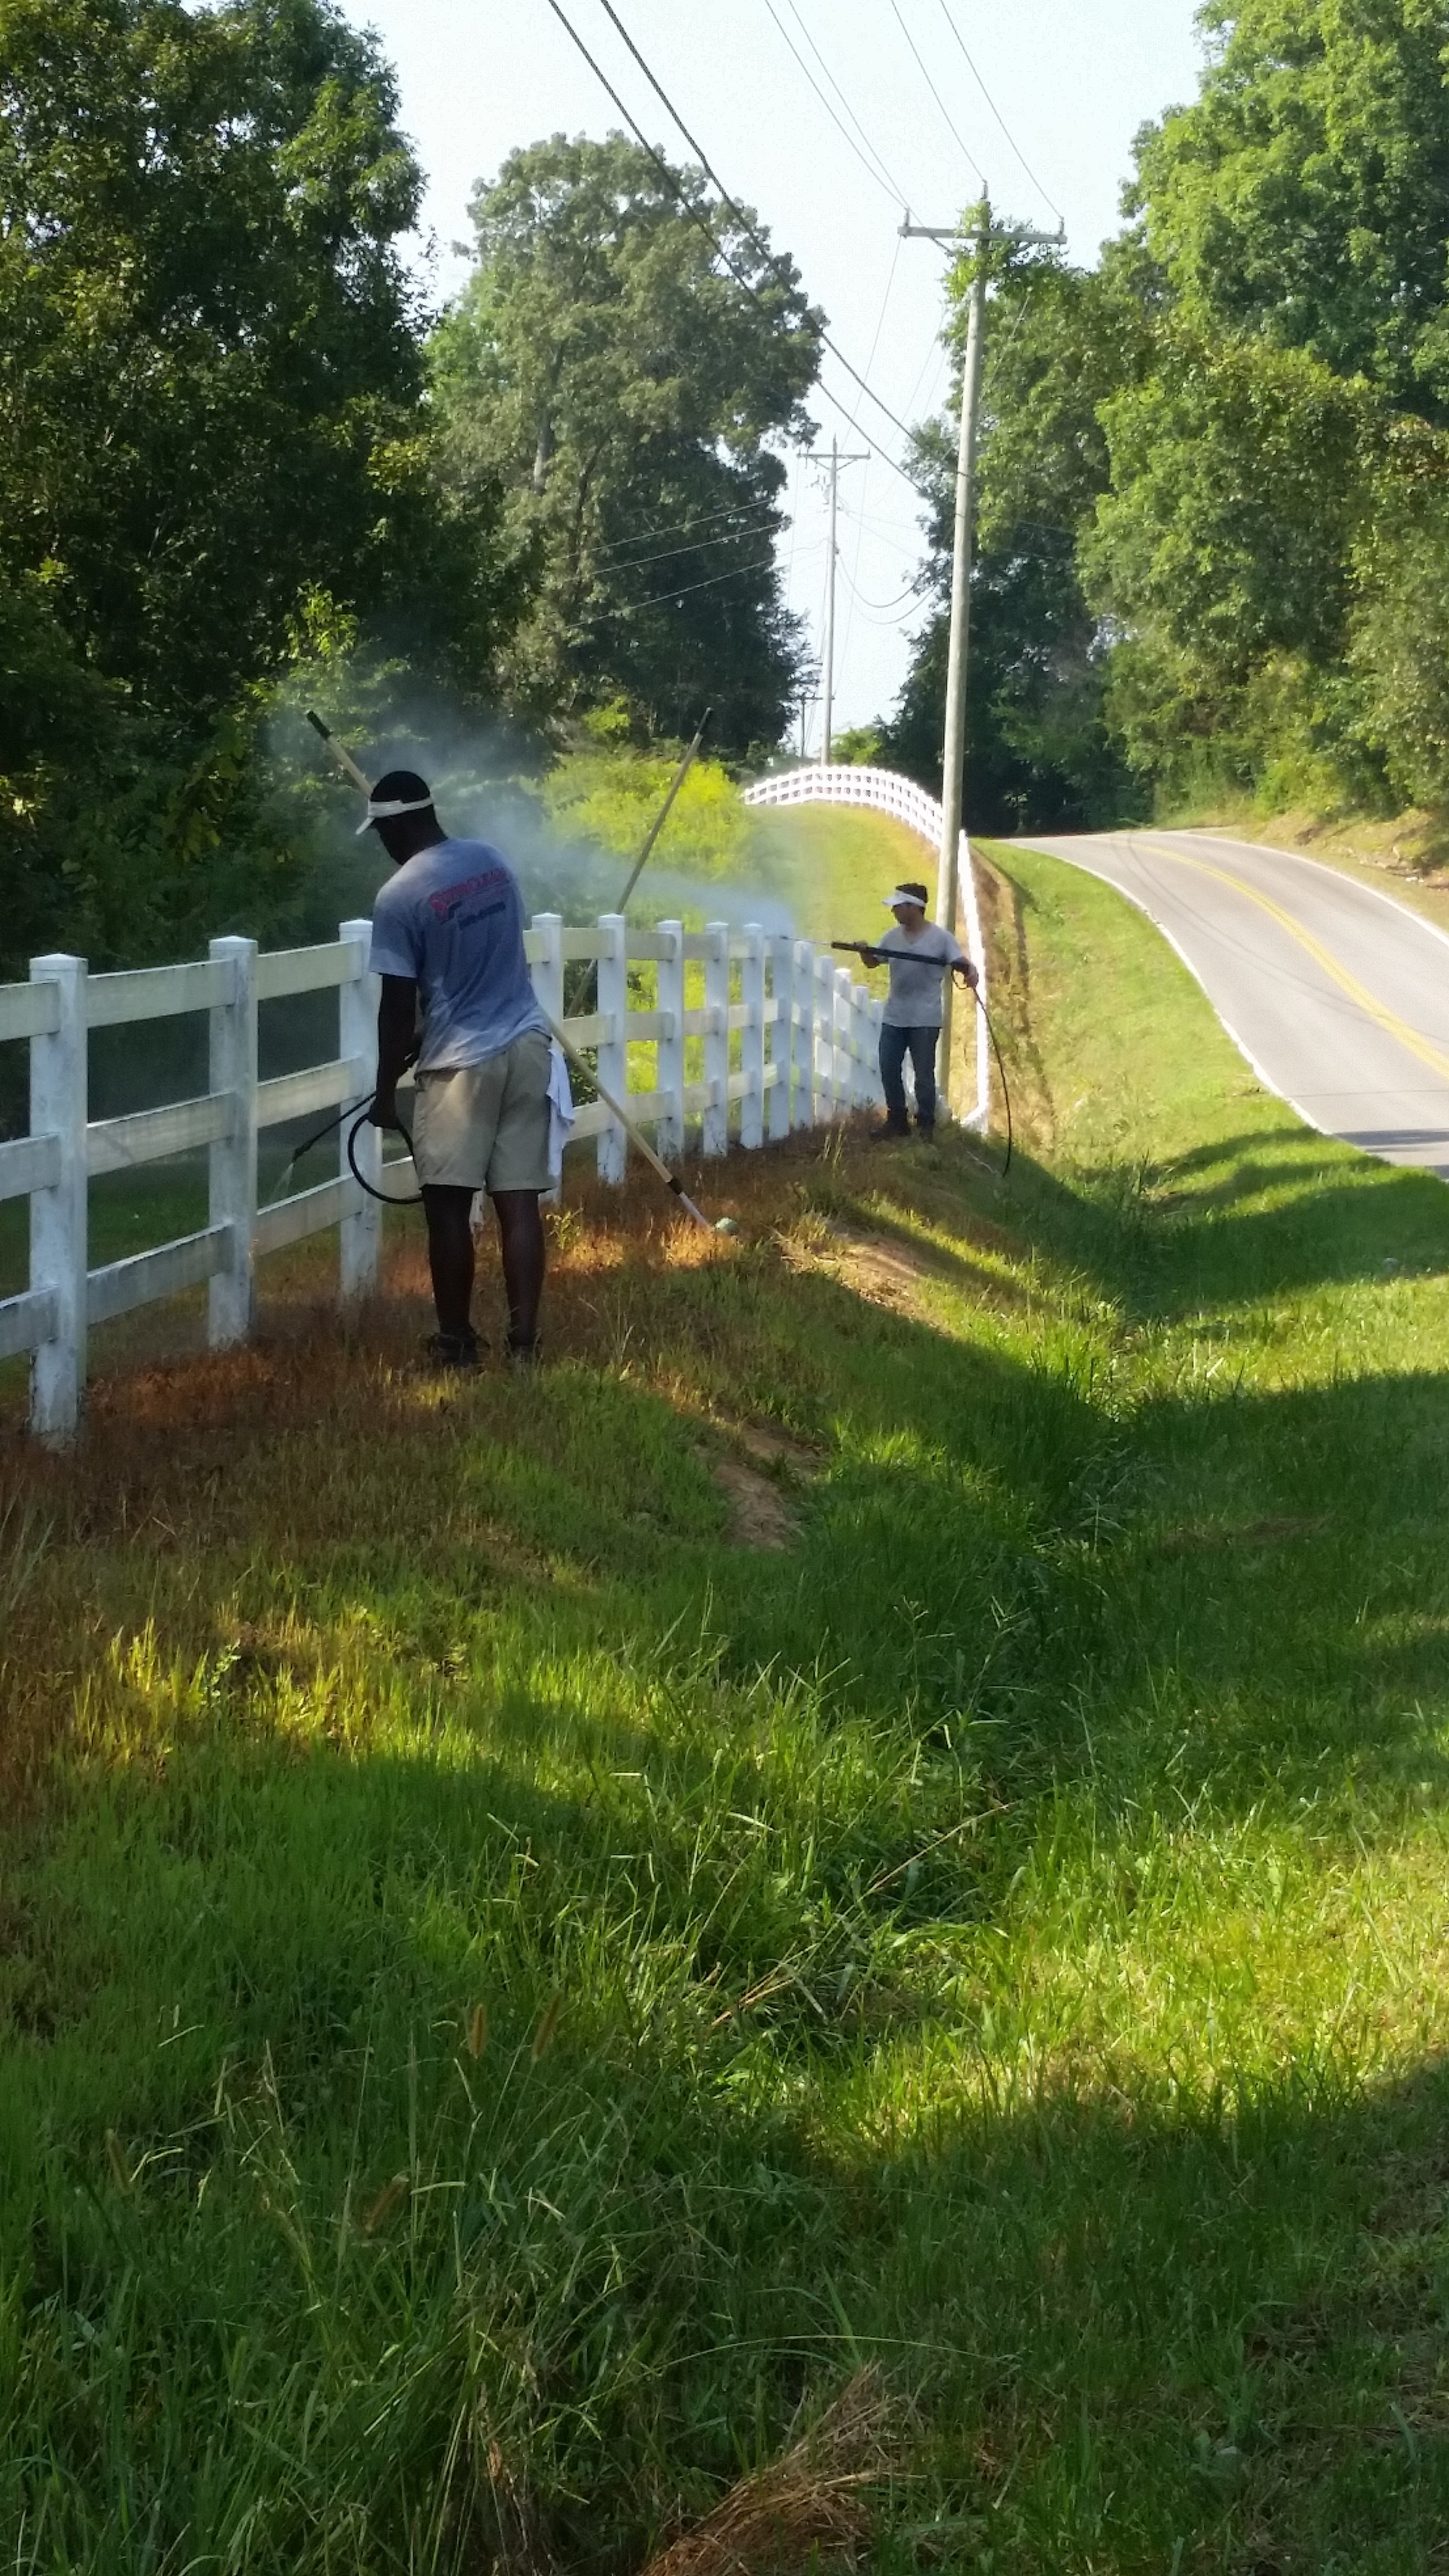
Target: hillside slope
[{"x": 889, "y": 1809}]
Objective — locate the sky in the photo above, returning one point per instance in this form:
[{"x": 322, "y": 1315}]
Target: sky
[{"x": 1047, "y": 117}]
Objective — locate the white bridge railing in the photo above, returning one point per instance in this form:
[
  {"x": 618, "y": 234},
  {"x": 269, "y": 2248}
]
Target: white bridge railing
[
  {"x": 782, "y": 1039},
  {"x": 837, "y": 783}
]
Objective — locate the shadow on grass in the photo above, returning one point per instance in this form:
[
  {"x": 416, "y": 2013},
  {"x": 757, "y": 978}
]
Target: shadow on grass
[
  {"x": 988, "y": 1537},
  {"x": 1163, "y": 1240},
  {"x": 304, "y": 2259},
  {"x": 437, "y": 1698}
]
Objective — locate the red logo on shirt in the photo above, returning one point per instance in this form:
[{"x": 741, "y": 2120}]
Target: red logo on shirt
[{"x": 445, "y": 903}]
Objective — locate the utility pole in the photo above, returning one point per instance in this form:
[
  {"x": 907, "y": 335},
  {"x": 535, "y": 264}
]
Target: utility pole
[
  {"x": 953, "y": 758},
  {"x": 830, "y": 606},
  {"x": 834, "y": 460}
]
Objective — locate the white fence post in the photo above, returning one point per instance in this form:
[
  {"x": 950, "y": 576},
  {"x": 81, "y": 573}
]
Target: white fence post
[
  {"x": 875, "y": 1016},
  {"x": 824, "y": 1032},
  {"x": 612, "y": 1005},
  {"x": 980, "y": 1116},
  {"x": 842, "y": 1082},
  {"x": 361, "y": 1232},
  {"x": 717, "y": 1036},
  {"x": 669, "y": 1063},
  {"x": 858, "y": 999},
  {"x": 58, "y": 1255},
  {"x": 802, "y": 1110},
  {"x": 752, "y": 1107},
  {"x": 547, "y": 974},
  {"x": 782, "y": 961},
  {"x": 233, "y": 1157}
]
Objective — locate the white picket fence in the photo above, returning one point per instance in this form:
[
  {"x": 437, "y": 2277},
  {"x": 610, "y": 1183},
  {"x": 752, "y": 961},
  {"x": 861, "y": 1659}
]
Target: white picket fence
[
  {"x": 788, "y": 1041},
  {"x": 836, "y": 783}
]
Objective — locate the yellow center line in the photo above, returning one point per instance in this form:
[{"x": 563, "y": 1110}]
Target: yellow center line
[{"x": 1369, "y": 1003}]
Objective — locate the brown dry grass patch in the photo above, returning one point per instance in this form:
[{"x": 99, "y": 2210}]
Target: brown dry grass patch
[
  {"x": 810, "y": 2507},
  {"x": 758, "y": 1513}
]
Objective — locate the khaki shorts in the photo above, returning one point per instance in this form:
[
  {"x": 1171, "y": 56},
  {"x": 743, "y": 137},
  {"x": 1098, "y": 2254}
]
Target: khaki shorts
[{"x": 485, "y": 1126}]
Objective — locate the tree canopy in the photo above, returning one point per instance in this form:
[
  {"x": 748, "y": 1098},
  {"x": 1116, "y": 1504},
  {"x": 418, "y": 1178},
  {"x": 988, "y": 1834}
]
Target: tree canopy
[
  {"x": 1038, "y": 751},
  {"x": 208, "y": 341},
  {"x": 1234, "y": 434},
  {"x": 213, "y": 436},
  {"x": 629, "y": 383}
]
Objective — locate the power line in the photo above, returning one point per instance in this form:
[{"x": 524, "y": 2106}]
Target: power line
[
  {"x": 933, "y": 356},
  {"x": 865, "y": 480},
  {"x": 883, "y": 606},
  {"x": 741, "y": 218},
  {"x": 996, "y": 112},
  {"x": 971, "y": 160},
  {"x": 688, "y": 207},
  {"x": 874, "y": 167},
  {"x": 635, "y": 607},
  {"x": 606, "y": 556},
  {"x": 740, "y": 507}
]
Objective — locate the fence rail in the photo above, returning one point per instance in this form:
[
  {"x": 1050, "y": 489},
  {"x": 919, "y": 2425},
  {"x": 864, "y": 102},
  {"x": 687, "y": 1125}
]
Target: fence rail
[
  {"x": 745, "y": 1028},
  {"x": 837, "y": 783}
]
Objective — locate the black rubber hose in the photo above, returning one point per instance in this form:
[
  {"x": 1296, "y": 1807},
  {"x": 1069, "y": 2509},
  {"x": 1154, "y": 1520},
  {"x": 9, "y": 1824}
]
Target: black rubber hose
[
  {"x": 1001, "y": 1069},
  {"x": 387, "y": 1197},
  {"x": 329, "y": 1128}
]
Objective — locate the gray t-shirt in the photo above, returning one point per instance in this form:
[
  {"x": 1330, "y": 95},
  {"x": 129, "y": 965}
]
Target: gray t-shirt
[
  {"x": 452, "y": 919},
  {"x": 917, "y": 967}
]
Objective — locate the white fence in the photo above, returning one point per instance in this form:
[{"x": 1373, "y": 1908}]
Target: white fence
[
  {"x": 785, "y": 1040},
  {"x": 836, "y": 783}
]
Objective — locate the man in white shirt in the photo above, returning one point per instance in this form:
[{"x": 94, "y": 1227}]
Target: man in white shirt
[{"x": 920, "y": 954}]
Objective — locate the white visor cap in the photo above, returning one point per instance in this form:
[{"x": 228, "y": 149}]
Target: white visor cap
[
  {"x": 390, "y": 805},
  {"x": 903, "y": 895}
]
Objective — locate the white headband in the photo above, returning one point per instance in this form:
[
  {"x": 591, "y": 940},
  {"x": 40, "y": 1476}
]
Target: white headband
[
  {"x": 391, "y": 805},
  {"x": 903, "y": 895}
]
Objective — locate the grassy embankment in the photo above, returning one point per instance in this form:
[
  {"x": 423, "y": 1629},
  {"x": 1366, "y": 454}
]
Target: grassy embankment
[{"x": 890, "y": 1808}]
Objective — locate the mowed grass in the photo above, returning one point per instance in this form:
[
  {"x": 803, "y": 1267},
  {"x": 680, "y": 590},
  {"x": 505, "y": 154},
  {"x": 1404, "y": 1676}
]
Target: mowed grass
[
  {"x": 890, "y": 1807},
  {"x": 834, "y": 866}
]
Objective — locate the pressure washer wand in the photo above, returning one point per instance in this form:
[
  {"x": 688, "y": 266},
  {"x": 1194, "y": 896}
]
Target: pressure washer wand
[
  {"x": 662, "y": 817},
  {"x": 670, "y": 1179},
  {"x": 338, "y": 750}
]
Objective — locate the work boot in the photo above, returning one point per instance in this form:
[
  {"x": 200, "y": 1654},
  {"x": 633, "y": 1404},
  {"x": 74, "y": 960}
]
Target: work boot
[
  {"x": 926, "y": 1130},
  {"x": 522, "y": 1354},
  {"x": 451, "y": 1350},
  {"x": 890, "y": 1132}
]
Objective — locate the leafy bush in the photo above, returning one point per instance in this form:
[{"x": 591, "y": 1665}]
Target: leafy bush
[{"x": 609, "y": 798}]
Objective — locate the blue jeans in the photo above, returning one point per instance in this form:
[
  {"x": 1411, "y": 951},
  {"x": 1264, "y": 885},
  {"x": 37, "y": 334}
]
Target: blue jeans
[{"x": 920, "y": 1045}]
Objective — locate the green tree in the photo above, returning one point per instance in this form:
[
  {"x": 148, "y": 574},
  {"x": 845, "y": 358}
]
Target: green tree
[
  {"x": 213, "y": 435},
  {"x": 1222, "y": 553},
  {"x": 209, "y": 349},
  {"x": 1303, "y": 198},
  {"x": 1256, "y": 551},
  {"x": 1061, "y": 340},
  {"x": 1398, "y": 651},
  {"x": 625, "y": 386}
]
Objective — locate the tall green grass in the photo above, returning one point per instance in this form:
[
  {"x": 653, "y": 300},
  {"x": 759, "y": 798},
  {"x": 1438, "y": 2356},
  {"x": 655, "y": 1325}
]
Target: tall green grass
[{"x": 509, "y": 1992}]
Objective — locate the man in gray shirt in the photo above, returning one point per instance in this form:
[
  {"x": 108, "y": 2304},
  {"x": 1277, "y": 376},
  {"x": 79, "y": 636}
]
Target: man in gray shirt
[
  {"x": 919, "y": 954},
  {"x": 447, "y": 937}
]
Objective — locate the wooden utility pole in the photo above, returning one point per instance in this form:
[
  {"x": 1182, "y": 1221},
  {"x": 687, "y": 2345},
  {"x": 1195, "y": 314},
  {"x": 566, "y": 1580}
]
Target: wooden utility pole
[
  {"x": 834, "y": 460},
  {"x": 953, "y": 756}
]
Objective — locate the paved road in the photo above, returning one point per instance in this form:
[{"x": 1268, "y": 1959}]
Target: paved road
[{"x": 1337, "y": 995}]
